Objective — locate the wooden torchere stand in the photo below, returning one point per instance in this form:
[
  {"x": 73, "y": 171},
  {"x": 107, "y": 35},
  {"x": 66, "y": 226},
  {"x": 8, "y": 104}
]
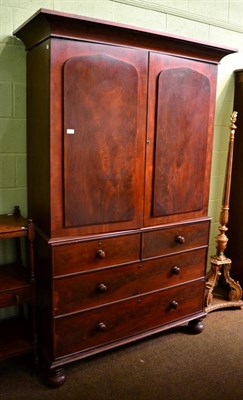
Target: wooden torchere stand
[{"x": 228, "y": 292}]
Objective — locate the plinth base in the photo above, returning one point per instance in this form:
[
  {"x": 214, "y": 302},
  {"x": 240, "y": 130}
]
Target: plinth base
[{"x": 221, "y": 300}]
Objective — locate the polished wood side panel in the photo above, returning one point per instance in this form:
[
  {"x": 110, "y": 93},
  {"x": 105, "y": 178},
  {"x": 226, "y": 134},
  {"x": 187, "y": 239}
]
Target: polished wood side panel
[
  {"x": 175, "y": 239},
  {"x": 100, "y": 128},
  {"x": 104, "y": 159},
  {"x": 235, "y": 226},
  {"x": 93, "y": 254},
  {"x": 179, "y": 139},
  {"x": 44, "y": 279},
  {"x": 180, "y": 144},
  {"x": 82, "y": 331},
  {"x": 38, "y": 137},
  {"x": 112, "y": 284}
]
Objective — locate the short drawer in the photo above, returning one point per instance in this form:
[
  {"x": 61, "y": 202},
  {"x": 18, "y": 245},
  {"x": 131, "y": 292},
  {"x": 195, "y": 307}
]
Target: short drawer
[
  {"x": 127, "y": 318},
  {"x": 15, "y": 297},
  {"x": 77, "y": 257},
  {"x": 106, "y": 285},
  {"x": 178, "y": 238}
]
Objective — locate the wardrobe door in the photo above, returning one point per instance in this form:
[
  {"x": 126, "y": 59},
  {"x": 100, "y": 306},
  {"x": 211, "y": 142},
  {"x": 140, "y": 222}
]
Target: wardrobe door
[
  {"x": 180, "y": 126},
  {"x": 104, "y": 105}
]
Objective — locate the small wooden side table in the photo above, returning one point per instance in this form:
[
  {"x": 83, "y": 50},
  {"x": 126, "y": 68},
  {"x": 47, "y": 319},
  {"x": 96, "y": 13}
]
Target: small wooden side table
[{"x": 17, "y": 288}]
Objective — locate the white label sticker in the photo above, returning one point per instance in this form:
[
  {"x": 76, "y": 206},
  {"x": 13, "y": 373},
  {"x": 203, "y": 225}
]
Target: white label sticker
[{"x": 70, "y": 131}]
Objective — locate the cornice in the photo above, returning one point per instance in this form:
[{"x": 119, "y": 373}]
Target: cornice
[{"x": 155, "y": 6}]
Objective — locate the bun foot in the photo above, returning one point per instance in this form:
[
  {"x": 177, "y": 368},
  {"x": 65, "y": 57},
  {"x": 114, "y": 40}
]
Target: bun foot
[
  {"x": 196, "y": 326},
  {"x": 56, "y": 377}
]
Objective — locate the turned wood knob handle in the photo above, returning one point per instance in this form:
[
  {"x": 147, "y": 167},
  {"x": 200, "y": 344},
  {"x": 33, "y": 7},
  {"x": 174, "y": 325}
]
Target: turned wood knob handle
[
  {"x": 174, "y": 304},
  {"x": 176, "y": 270},
  {"x": 180, "y": 239},
  {"x": 101, "y": 326},
  {"x": 102, "y": 288},
  {"x": 100, "y": 254}
]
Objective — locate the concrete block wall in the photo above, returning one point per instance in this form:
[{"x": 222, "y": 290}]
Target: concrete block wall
[{"x": 215, "y": 21}]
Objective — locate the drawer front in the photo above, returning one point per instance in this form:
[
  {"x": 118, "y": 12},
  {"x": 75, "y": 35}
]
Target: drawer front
[
  {"x": 77, "y": 257},
  {"x": 92, "y": 289},
  {"x": 130, "y": 317},
  {"x": 14, "y": 297},
  {"x": 175, "y": 239}
]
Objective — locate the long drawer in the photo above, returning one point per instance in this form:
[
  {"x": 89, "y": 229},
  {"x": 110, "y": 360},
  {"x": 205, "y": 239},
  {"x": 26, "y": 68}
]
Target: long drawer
[
  {"x": 102, "y": 325},
  {"x": 178, "y": 238},
  {"x": 106, "y": 285},
  {"x": 88, "y": 255}
]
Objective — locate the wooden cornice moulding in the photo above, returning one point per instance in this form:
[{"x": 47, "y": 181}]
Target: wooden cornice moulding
[{"x": 47, "y": 23}]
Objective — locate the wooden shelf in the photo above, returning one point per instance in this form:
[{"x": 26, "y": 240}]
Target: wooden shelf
[
  {"x": 12, "y": 225},
  {"x": 15, "y": 338},
  {"x": 17, "y": 289},
  {"x": 10, "y": 278}
]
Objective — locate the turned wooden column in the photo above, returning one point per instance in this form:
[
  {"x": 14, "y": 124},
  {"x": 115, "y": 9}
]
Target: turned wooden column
[{"x": 220, "y": 265}]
